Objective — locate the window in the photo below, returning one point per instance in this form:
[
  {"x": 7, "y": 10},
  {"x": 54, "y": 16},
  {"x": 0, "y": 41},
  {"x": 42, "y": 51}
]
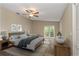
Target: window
[
  {"x": 19, "y": 27},
  {"x": 15, "y": 27},
  {"x": 49, "y": 31}
]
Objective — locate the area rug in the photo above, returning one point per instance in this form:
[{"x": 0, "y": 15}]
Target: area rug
[{"x": 3, "y": 53}]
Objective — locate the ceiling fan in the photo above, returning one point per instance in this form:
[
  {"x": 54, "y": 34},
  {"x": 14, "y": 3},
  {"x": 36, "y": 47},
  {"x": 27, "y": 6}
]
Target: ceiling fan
[{"x": 32, "y": 12}]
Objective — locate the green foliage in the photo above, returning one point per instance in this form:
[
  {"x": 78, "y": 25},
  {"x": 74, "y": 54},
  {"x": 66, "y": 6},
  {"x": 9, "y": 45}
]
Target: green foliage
[{"x": 49, "y": 31}]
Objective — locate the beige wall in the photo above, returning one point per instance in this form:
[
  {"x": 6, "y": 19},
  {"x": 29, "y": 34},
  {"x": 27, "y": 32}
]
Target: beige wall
[
  {"x": 66, "y": 24},
  {"x": 0, "y": 17},
  {"x": 8, "y": 17},
  {"x": 38, "y": 26}
]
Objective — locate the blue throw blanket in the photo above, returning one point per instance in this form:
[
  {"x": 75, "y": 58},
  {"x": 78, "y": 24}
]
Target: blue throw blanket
[{"x": 23, "y": 43}]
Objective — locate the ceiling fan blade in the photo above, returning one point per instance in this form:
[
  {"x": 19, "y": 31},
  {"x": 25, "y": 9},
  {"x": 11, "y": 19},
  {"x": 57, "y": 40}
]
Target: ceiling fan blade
[
  {"x": 35, "y": 12},
  {"x": 31, "y": 10},
  {"x": 36, "y": 15},
  {"x": 27, "y": 11}
]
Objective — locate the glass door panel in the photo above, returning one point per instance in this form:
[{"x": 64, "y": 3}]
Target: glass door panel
[{"x": 49, "y": 31}]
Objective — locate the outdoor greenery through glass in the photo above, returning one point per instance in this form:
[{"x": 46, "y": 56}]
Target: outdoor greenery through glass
[{"x": 49, "y": 31}]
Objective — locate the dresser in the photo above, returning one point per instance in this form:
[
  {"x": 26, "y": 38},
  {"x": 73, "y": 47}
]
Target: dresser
[{"x": 61, "y": 50}]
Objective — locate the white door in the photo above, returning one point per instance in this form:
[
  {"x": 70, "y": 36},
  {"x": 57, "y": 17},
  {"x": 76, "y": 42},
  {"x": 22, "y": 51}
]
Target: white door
[{"x": 77, "y": 30}]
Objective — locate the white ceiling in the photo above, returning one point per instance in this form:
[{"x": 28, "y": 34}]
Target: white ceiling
[{"x": 47, "y": 11}]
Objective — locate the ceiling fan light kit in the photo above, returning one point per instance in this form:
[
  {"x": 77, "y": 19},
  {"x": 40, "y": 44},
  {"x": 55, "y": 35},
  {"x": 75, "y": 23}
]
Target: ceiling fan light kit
[{"x": 31, "y": 15}]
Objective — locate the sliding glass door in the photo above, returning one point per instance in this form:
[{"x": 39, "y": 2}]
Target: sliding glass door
[{"x": 49, "y": 31}]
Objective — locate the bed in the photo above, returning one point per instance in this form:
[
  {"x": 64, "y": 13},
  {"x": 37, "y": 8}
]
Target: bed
[{"x": 21, "y": 40}]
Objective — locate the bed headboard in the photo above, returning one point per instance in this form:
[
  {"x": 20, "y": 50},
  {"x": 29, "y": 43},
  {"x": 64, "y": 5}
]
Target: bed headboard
[{"x": 15, "y": 33}]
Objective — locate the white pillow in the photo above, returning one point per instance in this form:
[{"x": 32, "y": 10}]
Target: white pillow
[{"x": 23, "y": 36}]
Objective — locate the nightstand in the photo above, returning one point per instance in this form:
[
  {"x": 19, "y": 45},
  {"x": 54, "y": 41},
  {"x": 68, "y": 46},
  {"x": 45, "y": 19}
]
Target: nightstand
[
  {"x": 62, "y": 50},
  {"x": 5, "y": 44}
]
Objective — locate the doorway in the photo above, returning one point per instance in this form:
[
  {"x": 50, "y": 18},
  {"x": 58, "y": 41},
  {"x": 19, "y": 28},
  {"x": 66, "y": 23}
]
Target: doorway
[
  {"x": 49, "y": 35},
  {"x": 49, "y": 31}
]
